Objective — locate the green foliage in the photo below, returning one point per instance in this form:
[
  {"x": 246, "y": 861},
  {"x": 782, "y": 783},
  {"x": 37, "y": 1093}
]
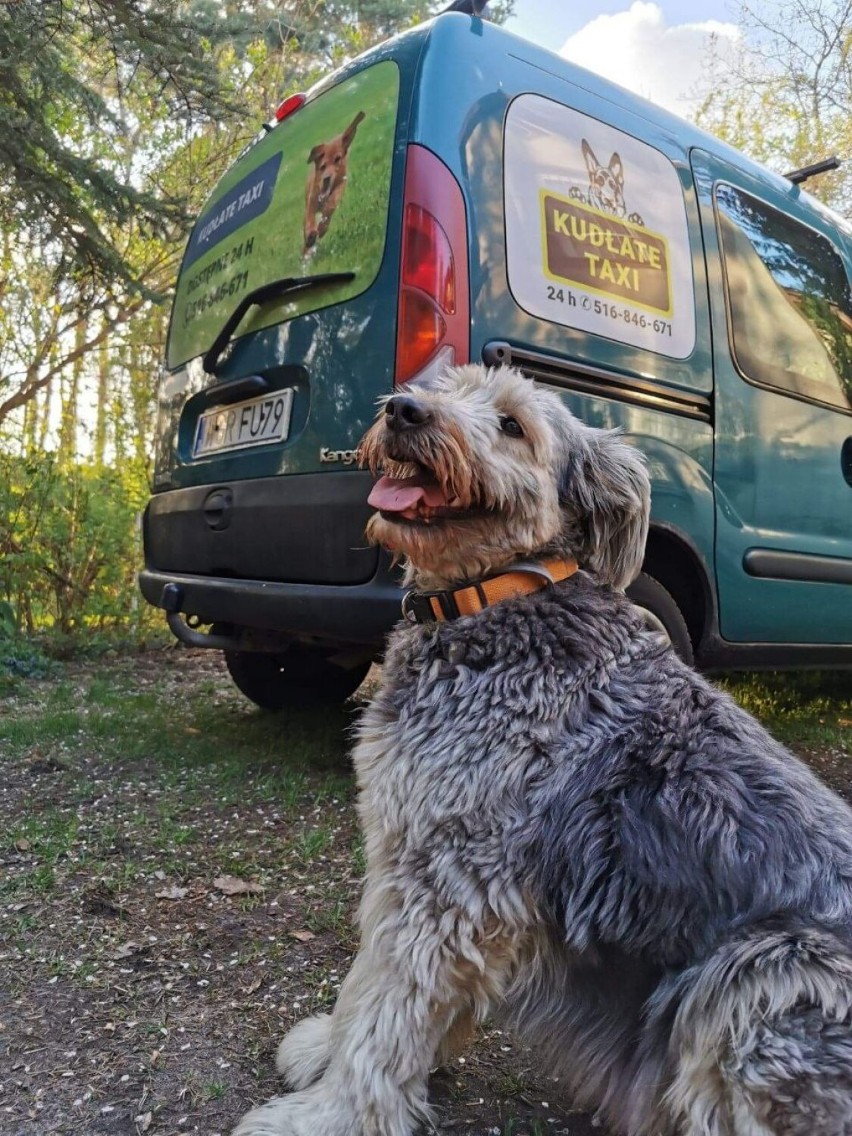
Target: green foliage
[
  {"x": 65, "y": 73},
  {"x": 22, "y": 660},
  {"x": 69, "y": 543},
  {"x": 785, "y": 96}
]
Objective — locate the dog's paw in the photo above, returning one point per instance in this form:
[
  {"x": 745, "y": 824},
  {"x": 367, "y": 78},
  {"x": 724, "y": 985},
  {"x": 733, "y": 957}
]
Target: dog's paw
[
  {"x": 305, "y": 1052},
  {"x": 315, "y": 1112},
  {"x": 269, "y": 1119}
]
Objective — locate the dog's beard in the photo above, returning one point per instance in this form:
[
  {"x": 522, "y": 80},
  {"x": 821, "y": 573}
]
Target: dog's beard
[
  {"x": 435, "y": 462},
  {"x": 444, "y": 553}
]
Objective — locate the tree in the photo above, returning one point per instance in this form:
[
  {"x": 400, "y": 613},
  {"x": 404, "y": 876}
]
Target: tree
[
  {"x": 786, "y": 96},
  {"x": 65, "y": 69},
  {"x": 117, "y": 117}
]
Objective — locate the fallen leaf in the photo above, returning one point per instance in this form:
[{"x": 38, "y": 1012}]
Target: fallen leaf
[
  {"x": 22, "y": 844},
  {"x": 254, "y": 986},
  {"x": 144, "y": 1121},
  {"x": 840, "y": 722},
  {"x": 191, "y": 730},
  {"x": 233, "y": 885},
  {"x": 302, "y": 936},
  {"x": 126, "y": 950},
  {"x": 171, "y": 893}
]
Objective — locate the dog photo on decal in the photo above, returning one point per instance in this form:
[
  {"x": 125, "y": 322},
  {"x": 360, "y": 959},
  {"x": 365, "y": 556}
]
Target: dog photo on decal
[
  {"x": 566, "y": 828},
  {"x": 326, "y": 183},
  {"x": 605, "y": 190}
]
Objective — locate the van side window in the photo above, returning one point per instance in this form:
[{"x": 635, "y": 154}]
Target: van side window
[{"x": 789, "y": 303}]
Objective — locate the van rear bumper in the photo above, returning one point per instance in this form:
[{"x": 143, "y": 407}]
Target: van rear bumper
[
  {"x": 272, "y": 558},
  {"x": 342, "y": 614}
]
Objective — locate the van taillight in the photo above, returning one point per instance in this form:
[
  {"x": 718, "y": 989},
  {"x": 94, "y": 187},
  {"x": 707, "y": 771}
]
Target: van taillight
[{"x": 433, "y": 328}]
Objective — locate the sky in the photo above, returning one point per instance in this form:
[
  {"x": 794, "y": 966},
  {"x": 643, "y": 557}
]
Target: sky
[{"x": 657, "y": 48}]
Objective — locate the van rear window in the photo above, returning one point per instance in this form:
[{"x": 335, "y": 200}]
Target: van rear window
[
  {"x": 789, "y": 303},
  {"x": 309, "y": 199}
]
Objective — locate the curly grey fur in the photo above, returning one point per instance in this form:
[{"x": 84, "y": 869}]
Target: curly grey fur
[{"x": 567, "y": 827}]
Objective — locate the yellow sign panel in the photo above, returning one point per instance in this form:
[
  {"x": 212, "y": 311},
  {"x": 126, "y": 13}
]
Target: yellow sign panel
[{"x": 605, "y": 254}]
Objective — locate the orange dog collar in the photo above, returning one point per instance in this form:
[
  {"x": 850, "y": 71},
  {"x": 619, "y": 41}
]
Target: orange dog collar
[{"x": 519, "y": 579}]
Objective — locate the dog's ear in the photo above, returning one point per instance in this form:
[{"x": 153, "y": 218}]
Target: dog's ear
[
  {"x": 605, "y": 490},
  {"x": 617, "y": 169},
  {"x": 316, "y": 153},
  {"x": 349, "y": 132},
  {"x": 592, "y": 164}
]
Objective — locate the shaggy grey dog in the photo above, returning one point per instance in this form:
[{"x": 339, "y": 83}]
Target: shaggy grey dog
[{"x": 565, "y": 825}]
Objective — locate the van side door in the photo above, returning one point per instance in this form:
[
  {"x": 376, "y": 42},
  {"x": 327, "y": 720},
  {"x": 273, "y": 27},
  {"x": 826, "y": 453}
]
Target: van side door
[{"x": 781, "y": 311}]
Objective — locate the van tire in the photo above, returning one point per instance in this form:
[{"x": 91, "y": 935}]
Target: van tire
[
  {"x": 298, "y": 676},
  {"x": 662, "y": 613}
]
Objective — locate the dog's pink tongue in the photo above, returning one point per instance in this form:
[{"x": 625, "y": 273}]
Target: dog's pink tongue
[{"x": 397, "y": 495}]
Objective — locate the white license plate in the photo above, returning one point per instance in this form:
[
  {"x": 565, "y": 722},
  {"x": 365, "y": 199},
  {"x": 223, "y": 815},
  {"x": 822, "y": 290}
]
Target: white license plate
[{"x": 255, "y": 422}]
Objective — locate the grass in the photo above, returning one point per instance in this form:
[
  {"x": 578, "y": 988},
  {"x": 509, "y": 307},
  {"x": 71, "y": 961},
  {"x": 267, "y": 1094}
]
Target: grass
[{"x": 810, "y": 708}]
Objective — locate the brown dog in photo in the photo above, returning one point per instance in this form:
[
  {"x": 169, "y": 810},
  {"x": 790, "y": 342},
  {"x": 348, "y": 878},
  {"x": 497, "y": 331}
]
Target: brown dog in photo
[{"x": 326, "y": 182}]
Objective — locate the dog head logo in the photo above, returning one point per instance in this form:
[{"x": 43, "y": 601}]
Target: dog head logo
[
  {"x": 326, "y": 182},
  {"x": 606, "y": 185},
  {"x": 482, "y": 468}
]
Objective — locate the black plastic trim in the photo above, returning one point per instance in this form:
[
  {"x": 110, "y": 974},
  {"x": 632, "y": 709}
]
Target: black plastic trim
[
  {"x": 599, "y": 382},
  {"x": 770, "y": 564},
  {"x": 717, "y": 655},
  {"x": 340, "y": 614}
]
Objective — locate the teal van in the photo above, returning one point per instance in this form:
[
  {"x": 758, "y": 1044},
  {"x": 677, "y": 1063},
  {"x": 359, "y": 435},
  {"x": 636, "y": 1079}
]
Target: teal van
[{"x": 459, "y": 194}]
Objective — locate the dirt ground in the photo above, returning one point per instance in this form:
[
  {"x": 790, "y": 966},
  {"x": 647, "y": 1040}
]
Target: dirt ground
[{"x": 179, "y": 876}]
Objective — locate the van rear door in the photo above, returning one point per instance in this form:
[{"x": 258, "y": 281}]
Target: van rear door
[
  {"x": 281, "y": 290},
  {"x": 782, "y": 334}
]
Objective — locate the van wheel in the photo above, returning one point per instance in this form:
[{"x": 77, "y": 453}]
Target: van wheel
[
  {"x": 298, "y": 676},
  {"x": 661, "y": 613}
]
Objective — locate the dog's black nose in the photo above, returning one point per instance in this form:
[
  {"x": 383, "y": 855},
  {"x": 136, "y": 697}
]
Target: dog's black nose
[{"x": 404, "y": 413}]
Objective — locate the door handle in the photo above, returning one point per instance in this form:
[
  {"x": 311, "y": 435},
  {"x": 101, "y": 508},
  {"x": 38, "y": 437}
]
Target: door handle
[{"x": 846, "y": 460}]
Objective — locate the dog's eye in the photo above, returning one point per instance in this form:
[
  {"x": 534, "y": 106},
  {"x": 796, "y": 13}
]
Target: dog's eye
[{"x": 511, "y": 426}]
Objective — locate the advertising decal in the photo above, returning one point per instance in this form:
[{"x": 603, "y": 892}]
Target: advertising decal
[
  {"x": 308, "y": 199},
  {"x": 596, "y": 229}
]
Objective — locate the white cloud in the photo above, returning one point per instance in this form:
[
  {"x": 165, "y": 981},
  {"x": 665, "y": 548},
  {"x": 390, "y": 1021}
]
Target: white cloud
[{"x": 640, "y": 51}]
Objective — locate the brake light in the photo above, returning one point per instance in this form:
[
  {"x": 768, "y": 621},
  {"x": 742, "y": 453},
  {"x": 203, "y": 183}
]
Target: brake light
[
  {"x": 433, "y": 330},
  {"x": 427, "y": 259},
  {"x": 289, "y": 106}
]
